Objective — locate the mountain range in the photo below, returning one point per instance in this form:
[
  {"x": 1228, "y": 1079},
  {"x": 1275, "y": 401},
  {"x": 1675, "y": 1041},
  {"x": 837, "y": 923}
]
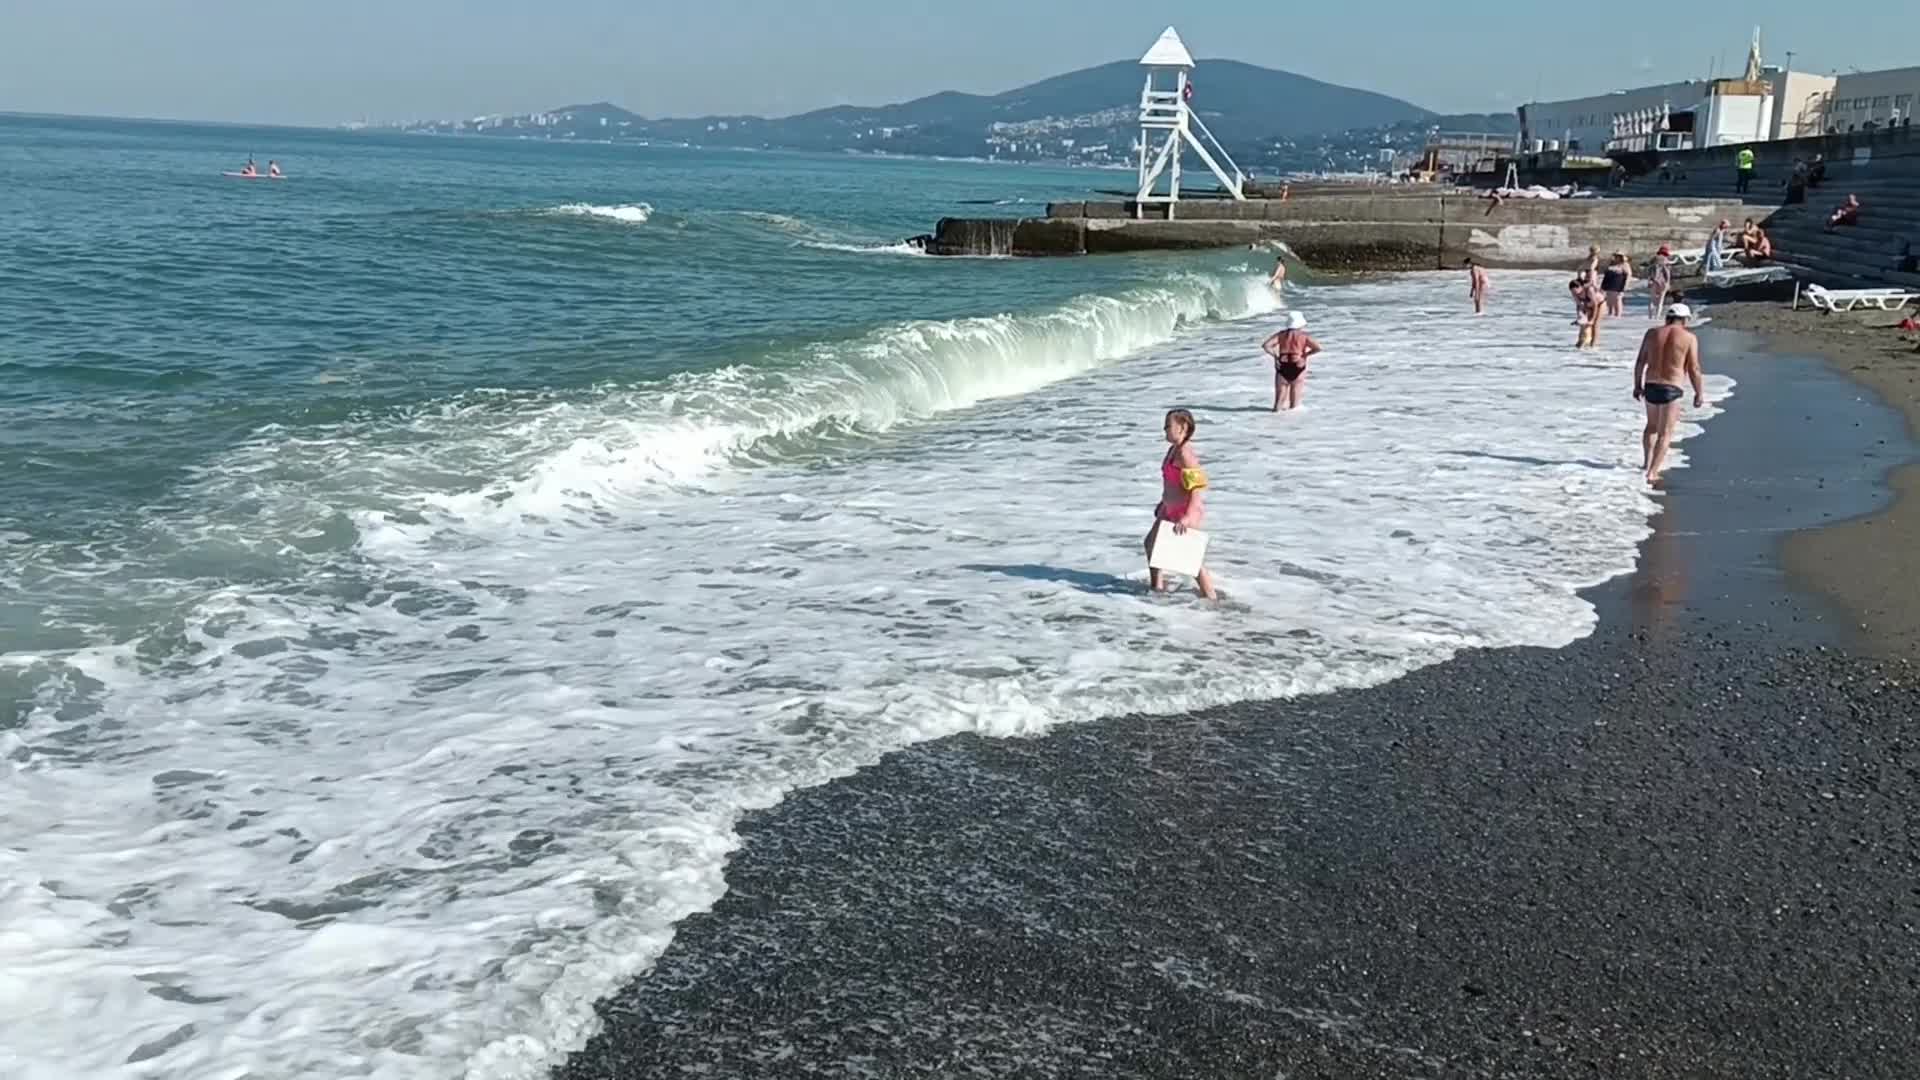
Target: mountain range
[{"x": 1264, "y": 117}]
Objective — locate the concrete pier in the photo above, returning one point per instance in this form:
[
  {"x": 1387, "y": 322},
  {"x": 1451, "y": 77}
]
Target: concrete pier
[{"x": 1356, "y": 228}]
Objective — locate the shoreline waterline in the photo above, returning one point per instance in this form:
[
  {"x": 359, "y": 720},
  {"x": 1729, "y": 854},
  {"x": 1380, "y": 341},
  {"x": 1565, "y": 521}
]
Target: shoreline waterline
[{"x": 1516, "y": 860}]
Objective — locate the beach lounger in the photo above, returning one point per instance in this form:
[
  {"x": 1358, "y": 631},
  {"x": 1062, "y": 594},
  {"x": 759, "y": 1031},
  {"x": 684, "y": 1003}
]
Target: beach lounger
[
  {"x": 1834, "y": 301},
  {"x": 1691, "y": 259},
  {"x": 1751, "y": 275}
]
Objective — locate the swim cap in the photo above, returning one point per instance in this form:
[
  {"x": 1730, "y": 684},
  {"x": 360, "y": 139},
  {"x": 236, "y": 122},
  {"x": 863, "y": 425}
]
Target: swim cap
[{"x": 1296, "y": 321}]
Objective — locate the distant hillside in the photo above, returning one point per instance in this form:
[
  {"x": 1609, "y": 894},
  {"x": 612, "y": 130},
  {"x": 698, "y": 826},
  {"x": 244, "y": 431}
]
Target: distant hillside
[{"x": 1269, "y": 120}]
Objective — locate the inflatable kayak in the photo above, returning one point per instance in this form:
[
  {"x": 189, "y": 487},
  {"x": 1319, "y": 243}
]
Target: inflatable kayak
[{"x": 254, "y": 176}]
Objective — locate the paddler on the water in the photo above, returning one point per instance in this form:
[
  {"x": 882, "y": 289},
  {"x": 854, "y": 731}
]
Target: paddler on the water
[
  {"x": 1182, "y": 493},
  {"x": 249, "y": 169},
  {"x": 273, "y": 169}
]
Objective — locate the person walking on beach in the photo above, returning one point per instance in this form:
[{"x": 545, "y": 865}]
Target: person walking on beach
[
  {"x": 1743, "y": 169},
  {"x": 1659, "y": 280},
  {"x": 1183, "y": 486},
  {"x": 1614, "y": 282},
  {"x": 1290, "y": 349},
  {"x": 1477, "y": 285},
  {"x": 1592, "y": 266},
  {"x": 1668, "y": 354}
]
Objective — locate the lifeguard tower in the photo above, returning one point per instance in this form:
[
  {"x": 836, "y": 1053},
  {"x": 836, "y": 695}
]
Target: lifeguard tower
[{"x": 1166, "y": 120}]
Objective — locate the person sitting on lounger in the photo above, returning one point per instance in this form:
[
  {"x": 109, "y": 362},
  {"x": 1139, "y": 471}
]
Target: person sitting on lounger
[
  {"x": 1847, "y": 214},
  {"x": 1762, "y": 248}
]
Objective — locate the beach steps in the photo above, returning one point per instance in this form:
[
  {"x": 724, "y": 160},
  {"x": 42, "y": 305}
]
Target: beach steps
[
  {"x": 1865, "y": 253},
  {"x": 1882, "y": 167}
]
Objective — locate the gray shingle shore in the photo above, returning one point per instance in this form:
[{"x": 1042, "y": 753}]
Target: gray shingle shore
[{"x": 1686, "y": 846}]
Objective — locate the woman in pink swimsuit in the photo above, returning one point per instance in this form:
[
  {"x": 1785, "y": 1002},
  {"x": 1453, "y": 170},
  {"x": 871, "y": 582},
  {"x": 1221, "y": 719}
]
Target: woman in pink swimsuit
[{"x": 1182, "y": 499}]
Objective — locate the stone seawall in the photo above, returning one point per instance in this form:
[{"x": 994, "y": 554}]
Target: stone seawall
[{"x": 1359, "y": 230}]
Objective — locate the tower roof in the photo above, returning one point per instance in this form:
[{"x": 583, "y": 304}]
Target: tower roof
[{"x": 1169, "y": 51}]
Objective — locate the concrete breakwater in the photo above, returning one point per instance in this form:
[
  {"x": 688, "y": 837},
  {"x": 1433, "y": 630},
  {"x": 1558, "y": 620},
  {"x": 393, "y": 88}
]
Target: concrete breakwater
[{"x": 1358, "y": 229}]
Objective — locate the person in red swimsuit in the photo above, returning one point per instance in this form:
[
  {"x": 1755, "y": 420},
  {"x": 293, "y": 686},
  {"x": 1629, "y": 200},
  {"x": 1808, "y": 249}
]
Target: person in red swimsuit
[
  {"x": 1291, "y": 349},
  {"x": 1182, "y": 503}
]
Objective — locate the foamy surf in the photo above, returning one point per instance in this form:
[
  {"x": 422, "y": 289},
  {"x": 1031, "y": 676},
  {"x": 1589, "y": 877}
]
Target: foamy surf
[
  {"x": 625, "y": 213},
  {"x": 807, "y": 234},
  {"x": 410, "y": 804}
]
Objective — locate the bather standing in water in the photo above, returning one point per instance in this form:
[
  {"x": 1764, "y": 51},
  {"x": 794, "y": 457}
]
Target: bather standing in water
[
  {"x": 1182, "y": 495},
  {"x": 1477, "y": 285},
  {"x": 1668, "y": 354},
  {"x": 1290, "y": 349}
]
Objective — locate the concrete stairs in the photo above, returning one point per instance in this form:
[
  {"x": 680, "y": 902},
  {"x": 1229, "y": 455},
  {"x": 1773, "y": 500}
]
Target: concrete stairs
[
  {"x": 1866, "y": 253},
  {"x": 1881, "y": 167}
]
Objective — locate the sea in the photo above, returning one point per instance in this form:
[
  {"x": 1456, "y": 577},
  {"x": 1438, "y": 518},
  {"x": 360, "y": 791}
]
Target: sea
[{"x": 412, "y": 570}]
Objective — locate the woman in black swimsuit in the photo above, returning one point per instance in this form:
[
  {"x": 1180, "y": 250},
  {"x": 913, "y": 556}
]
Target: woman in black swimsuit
[
  {"x": 1614, "y": 282},
  {"x": 1291, "y": 349}
]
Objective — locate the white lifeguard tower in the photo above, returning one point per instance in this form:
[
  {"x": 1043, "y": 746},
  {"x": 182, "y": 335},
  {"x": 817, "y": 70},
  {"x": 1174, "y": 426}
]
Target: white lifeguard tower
[{"x": 1166, "y": 120}]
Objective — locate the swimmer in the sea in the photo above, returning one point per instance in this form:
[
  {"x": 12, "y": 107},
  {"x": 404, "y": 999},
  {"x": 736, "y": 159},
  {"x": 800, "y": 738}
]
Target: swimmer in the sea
[
  {"x": 1182, "y": 503},
  {"x": 1477, "y": 285},
  {"x": 1290, "y": 349},
  {"x": 1278, "y": 279}
]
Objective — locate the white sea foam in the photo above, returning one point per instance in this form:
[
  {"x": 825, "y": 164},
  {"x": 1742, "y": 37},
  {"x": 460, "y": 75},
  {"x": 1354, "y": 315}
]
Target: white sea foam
[
  {"x": 409, "y": 809},
  {"x": 625, "y": 213},
  {"x": 808, "y": 234},
  {"x": 899, "y": 248}
]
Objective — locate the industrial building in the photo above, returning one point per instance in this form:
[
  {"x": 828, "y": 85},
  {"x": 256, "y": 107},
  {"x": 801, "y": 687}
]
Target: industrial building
[{"x": 1761, "y": 104}]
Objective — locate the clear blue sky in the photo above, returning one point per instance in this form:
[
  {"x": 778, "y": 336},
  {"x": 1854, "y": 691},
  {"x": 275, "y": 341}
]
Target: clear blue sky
[{"x": 325, "y": 61}]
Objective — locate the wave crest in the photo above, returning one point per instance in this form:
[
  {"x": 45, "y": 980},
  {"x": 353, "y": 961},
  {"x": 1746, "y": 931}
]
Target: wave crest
[{"x": 625, "y": 213}]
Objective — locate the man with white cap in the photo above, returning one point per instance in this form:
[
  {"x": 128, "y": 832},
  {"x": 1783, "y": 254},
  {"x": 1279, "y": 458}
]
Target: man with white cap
[
  {"x": 1668, "y": 354},
  {"x": 1291, "y": 349}
]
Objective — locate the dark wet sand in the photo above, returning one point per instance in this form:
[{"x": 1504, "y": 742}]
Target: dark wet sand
[
  {"x": 1871, "y": 565},
  {"x": 1687, "y": 846}
]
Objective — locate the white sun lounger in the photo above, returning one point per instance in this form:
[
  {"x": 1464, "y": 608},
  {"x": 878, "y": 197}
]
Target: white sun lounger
[
  {"x": 1752, "y": 275},
  {"x": 1690, "y": 259},
  {"x": 1833, "y": 301}
]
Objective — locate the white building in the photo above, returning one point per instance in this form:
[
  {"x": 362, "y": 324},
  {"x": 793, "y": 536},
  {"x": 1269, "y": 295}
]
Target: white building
[
  {"x": 1878, "y": 97},
  {"x": 1766, "y": 103}
]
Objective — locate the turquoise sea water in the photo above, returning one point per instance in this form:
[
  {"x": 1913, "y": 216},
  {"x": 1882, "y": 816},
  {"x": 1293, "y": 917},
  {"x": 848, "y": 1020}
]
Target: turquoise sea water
[
  {"x": 392, "y": 271},
  {"x": 409, "y": 571}
]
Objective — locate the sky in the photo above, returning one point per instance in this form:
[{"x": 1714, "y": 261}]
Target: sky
[{"x": 321, "y": 63}]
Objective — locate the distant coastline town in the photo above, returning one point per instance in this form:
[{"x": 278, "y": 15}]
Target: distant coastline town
[
  {"x": 1077, "y": 119},
  {"x": 1272, "y": 122}
]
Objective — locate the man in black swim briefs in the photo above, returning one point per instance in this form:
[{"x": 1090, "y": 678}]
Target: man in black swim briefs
[{"x": 1668, "y": 354}]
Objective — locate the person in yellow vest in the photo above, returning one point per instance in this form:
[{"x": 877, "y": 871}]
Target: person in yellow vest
[{"x": 1743, "y": 161}]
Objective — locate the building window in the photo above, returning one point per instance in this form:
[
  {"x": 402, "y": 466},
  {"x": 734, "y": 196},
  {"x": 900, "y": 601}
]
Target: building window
[
  {"x": 1901, "y": 101},
  {"x": 1880, "y": 102},
  {"x": 1860, "y": 104}
]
